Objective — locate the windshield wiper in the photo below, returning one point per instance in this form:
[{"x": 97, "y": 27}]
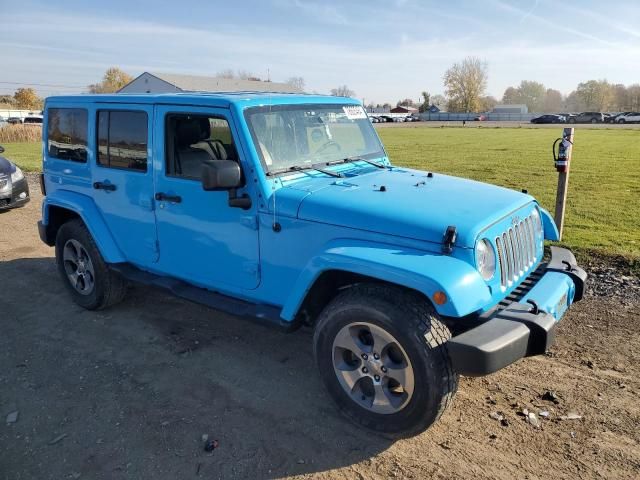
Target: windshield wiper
[
  {"x": 357, "y": 159},
  {"x": 300, "y": 168}
]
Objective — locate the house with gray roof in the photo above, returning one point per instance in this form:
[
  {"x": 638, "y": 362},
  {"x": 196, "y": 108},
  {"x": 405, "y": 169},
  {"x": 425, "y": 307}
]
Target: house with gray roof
[{"x": 154, "y": 82}]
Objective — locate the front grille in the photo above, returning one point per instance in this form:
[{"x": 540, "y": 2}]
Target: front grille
[{"x": 517, "y": 250}]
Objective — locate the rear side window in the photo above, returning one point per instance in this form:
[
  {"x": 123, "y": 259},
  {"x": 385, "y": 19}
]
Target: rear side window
[
  {"x": 122, "y": 139},
  {"x": 67, "y": 134}
]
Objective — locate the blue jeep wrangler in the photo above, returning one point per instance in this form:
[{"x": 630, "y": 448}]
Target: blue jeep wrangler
[{"x": 286, "y": 209}]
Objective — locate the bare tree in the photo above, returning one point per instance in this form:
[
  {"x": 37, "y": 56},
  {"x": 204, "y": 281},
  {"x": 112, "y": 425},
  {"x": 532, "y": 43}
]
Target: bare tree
[
  {"x": 465, "y": 83},
  {"x": 343, "y": 91},
  {"x": 439, "y": 101},
  {"x": 228, "y": 73},
  {"x": 426, "y": 98},
  {"x": 407, "y": 102},
  {"x": 296, "y": 82}
]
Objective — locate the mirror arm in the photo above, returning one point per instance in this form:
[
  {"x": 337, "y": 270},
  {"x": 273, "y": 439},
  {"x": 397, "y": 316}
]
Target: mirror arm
[{"x": 235, "y": 201}]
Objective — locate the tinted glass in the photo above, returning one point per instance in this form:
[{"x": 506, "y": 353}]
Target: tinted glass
[
  {"x": 192, "y": 140},
  {"x": 122, "y": 139},
  {"x": 67, "y": 134}
]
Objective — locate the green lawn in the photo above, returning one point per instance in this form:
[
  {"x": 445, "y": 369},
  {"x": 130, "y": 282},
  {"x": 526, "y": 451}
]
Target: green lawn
[
  {"x": 604, "y": 191},
  {"x": 27, "y": 155},
  {"x": 603, "y": 207}
]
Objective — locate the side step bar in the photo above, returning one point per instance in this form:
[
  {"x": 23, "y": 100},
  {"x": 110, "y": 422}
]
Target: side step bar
[{"x": 264, "y": 314}]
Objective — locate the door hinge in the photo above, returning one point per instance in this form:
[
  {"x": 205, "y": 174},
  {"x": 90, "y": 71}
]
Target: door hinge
[{"x": 250, "y": 221}]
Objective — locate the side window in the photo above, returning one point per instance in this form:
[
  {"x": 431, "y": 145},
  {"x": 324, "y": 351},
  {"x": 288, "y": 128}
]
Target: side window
[
  {"x": 67, "y": 133},
  {"x": 122, "y": 139},
  {"x": 191, "y": 140}
]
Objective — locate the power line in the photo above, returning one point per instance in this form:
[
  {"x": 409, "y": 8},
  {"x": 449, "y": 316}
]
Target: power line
[{"x": 44, "y": 85}]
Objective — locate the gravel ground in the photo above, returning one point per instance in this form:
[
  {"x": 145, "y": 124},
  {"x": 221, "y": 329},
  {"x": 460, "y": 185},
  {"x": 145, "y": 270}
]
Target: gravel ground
[{"x": 128, "y": 393}]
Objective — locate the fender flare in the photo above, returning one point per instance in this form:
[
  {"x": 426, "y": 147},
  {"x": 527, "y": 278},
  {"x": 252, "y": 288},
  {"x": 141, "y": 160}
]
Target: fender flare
[
  {"x": 86, "y": 208},
  {"x": 422, "y": 271},
  {"x": 549, "y": 225}
]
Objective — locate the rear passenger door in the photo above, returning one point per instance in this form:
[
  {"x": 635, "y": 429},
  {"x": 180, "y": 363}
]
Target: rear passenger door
[{"x": 123, "y": 178}]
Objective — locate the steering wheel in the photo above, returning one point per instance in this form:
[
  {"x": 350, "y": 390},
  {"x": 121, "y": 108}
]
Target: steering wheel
[{"x": 329, "y": 144}]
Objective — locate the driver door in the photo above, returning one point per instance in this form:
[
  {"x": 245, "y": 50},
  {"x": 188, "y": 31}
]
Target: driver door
[{"x": 202, "y": 239}]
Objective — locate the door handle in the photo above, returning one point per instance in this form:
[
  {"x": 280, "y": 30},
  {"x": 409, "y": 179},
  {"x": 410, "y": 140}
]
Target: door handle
[
  {"x": 109, "y": 187},
  {"x": 163, "y": 197}
]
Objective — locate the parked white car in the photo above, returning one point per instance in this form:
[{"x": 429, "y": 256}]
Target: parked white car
[{"x": 633, "y": 117}]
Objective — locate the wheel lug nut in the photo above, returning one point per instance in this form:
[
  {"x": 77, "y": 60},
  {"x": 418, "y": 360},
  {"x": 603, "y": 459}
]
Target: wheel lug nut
[
  {"x": 365, "y": 370},
  {"x": 365, "y": 356},
  {"x": 384, "y": 369},
  {"x": 376, "y": 356},
  {"x": 377, "y": 378}
]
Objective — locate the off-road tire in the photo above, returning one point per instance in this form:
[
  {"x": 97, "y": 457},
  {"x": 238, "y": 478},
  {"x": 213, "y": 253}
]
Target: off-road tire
[
  {"x": 109, "y": 287},
  {"x": 414, "y": 323}
]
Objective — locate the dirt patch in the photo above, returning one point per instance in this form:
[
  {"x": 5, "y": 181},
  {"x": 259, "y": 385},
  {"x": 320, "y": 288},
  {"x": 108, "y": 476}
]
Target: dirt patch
[{"x": 129, "y": 392}]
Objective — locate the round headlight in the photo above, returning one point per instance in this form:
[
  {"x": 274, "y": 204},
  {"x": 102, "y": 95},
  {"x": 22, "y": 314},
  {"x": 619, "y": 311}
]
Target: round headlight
[
  {"x": 17, "y": 175},
  {"x": 485, "y": 259}
]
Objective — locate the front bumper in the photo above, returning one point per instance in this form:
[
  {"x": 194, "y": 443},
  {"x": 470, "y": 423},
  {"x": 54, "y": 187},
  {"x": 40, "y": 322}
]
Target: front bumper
[
  {"x": 17, "y": 196},
  {"x": 523, "y": 328}
]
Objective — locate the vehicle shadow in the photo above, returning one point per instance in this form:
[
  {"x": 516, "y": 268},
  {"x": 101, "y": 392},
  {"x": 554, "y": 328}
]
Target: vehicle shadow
[{"x": 150, "y": 377}]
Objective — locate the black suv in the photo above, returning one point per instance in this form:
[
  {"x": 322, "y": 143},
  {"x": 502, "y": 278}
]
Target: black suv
[{"x": 586, "y": 117}]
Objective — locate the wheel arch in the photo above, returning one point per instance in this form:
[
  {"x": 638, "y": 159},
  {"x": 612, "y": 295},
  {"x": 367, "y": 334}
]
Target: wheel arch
[
  {"x": 340, "y": 266},
  {"x": 65, "y": 206}
]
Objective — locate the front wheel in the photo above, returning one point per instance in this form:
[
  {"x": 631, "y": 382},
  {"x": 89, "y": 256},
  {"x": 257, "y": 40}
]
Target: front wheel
[{"x": 381, "y": 352}]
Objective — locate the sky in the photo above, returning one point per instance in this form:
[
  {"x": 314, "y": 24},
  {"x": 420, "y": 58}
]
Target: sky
[{"x": 384, "y": 50}]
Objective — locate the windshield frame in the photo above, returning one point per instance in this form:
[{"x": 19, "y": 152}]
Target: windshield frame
[{"x": 268, "y": 170}]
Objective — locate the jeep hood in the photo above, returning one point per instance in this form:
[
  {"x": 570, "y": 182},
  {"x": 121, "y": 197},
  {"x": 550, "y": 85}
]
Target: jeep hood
[{"x": 406, "y": 203}]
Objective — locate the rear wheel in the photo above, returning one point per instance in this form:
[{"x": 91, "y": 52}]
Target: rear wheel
[
  {"x": 382, "y": 356},
  {"x": 593, "y": 120},
  {"x": 83, "y": 270}
]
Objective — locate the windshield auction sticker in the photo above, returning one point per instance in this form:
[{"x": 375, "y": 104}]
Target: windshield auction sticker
[{"x": 354, "y": 112}]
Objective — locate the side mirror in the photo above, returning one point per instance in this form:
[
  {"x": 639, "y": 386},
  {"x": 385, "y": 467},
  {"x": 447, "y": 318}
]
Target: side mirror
[
  {"x": 221, "y": 175},
  {"x": 225, "y": 175}
]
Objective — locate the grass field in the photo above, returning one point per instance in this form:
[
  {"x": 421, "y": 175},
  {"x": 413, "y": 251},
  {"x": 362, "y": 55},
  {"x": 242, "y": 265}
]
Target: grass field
[{"x": 604, "y": 192}]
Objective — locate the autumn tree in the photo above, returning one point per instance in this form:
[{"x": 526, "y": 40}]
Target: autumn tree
[
  {"x": 487, "y": 103},
  {"x": 297, "y": 82},
  {"x": 633, "y": 97},
  {"x": 465, "y": 83},
  {"x": 342, "y": 91},
  {"x": 552, "y": 100},
  {"x": 595, "y": 94},
  {"x": 511, "y": 96},
  {"x": 27, "y": 98},
  {"x": 112, "y": 81}
]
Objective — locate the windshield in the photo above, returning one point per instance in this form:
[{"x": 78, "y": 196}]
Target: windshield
[{"x": 288, "y": 136}]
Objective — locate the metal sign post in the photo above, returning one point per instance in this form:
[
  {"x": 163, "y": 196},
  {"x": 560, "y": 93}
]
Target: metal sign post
[{"x": 563, "y": 165}]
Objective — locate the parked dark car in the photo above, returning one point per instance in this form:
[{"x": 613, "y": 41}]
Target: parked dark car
[
  {"x": 14, "y": 120},
  {"x": 549, "y": 118},
  {"x": 586, "y": 117},
  {"x": 32, "y": 120},
  {"x": 14, "y": 190}
]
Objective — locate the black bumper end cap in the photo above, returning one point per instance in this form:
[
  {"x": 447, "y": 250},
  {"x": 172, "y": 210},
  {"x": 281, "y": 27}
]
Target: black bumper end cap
[
  {"x": 510, "y": 335},
  {"x": 563, "y": 261}
]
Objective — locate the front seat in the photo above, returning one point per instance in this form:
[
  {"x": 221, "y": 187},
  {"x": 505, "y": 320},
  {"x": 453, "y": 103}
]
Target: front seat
[{"x": 188, "y": 156}]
